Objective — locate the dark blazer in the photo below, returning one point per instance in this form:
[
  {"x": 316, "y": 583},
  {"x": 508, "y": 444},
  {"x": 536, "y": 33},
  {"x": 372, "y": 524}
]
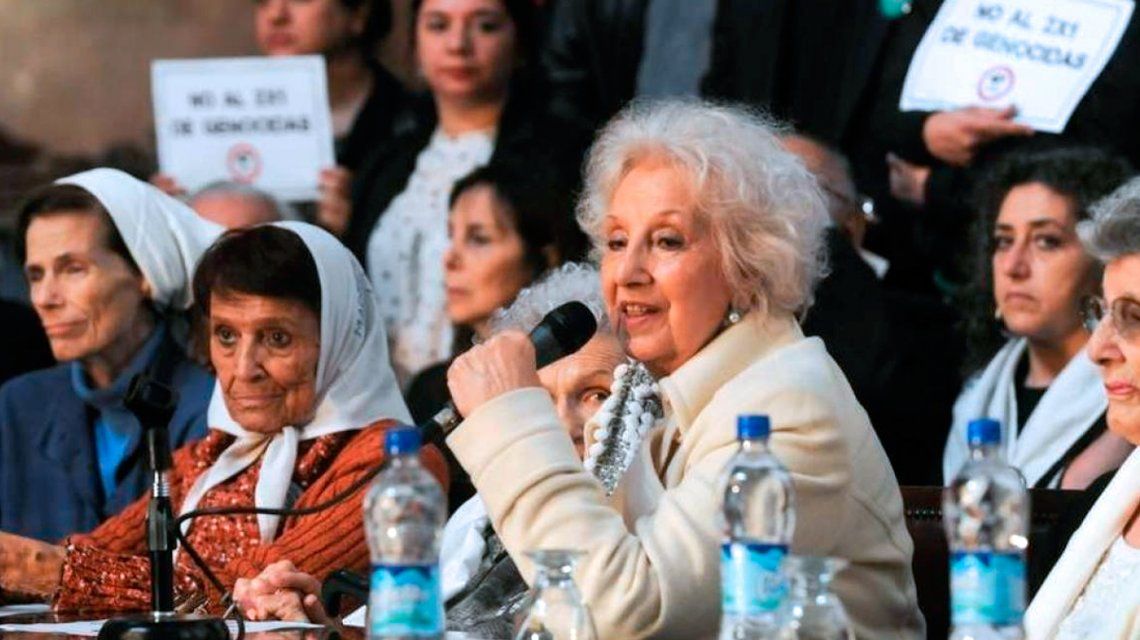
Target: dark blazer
[
  {"x": 49, "y": 475},
  {"x": 591, "y": 57},
  {"x": 898, "y": 353},
  {"x": 525, "y": 128},
  {"x": 385, "y": 115},
  {"x": 806, "y": 61}
]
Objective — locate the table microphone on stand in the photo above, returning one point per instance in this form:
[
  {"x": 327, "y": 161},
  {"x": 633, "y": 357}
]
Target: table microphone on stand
[{"x": 153, "y": 403}]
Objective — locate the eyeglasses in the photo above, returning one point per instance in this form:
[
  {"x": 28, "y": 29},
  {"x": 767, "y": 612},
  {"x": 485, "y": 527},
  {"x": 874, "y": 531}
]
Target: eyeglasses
[{"x": 1123, "y": 312}]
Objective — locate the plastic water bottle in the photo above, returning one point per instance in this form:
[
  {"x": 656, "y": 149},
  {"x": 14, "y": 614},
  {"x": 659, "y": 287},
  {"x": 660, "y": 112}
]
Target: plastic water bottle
[
  {"x": 404, "y": 513},
  {"x": 986, "y": 514},
  {"x": 759, "y": 517}
]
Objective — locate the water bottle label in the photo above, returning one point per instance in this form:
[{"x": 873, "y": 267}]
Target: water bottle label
[
  {"x": 405, "y": 600},
  {"x": 751, "y": 582},
  {"x": 987, "y": 587}
]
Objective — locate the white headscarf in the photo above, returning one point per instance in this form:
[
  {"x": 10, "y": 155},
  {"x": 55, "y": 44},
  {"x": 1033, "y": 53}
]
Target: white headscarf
[
  {"x": 164, "y": 236},
  {"x": 1074, "y": 401},
  {"x": 355, "y": 383}
]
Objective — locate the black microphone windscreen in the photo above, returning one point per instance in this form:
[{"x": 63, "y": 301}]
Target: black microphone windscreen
[{"x": 563, "y": 331}]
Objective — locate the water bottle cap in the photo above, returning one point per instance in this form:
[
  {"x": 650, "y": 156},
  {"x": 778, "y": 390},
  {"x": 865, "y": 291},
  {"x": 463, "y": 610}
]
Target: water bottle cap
[
  {"x": 983, "y": 431},
  {"x": 751, "y": 426},
  {"x": 401, "y": 440}
]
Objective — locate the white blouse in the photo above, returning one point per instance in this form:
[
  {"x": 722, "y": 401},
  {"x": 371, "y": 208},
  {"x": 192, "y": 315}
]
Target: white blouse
[
  {"x": 1117, "y": 574},
  {"x": 405, "y": 252}
]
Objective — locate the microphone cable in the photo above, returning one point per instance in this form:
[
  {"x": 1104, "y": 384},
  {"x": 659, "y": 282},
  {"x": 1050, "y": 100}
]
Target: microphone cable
[{"x": 227, "y": 594}]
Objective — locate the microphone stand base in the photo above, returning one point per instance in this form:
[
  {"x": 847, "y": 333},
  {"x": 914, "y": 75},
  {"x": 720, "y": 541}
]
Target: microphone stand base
[{"x": 165, "y": 626}]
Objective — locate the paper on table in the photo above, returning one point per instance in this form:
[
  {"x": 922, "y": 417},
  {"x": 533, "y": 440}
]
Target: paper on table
[
  {"x": 91, "y": 627},
  {"x": 23, "y": 609},
  {"x": 356, "y": 619}
]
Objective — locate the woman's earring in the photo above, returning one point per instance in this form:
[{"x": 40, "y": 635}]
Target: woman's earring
[
  {"x": 733, "y": 316},
  {"x": 997, "y": 313}
]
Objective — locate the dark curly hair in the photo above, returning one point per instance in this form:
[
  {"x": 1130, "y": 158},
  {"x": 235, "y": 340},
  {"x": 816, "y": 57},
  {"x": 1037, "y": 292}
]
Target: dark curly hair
[{"x": 1081, "y": 174}]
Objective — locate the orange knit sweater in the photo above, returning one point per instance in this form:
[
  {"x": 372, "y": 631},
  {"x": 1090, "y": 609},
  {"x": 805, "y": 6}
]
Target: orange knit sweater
[{"x": 108, "y": 569}]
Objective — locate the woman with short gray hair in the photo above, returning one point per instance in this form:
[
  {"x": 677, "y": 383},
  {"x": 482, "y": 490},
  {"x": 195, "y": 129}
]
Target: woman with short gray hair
[
  {"x": 709, "y": 237},
  {"x": 1094, "y": 588}
]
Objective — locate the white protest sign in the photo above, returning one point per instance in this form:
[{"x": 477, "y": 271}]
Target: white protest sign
[
  {"x": 258, "y": 121},
  {"x": 1038, "y": 55}
]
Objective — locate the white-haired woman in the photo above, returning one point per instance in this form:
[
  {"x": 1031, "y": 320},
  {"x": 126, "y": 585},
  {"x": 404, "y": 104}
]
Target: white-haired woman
[
  {"x": 710, "y": 240},
  {"x": 1094, "y": 589}
]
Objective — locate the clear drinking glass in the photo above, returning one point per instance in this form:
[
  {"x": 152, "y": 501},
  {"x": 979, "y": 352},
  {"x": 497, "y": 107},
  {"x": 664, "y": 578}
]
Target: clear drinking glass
[
  {"x": 555, "y": 610},
  {"x": 812, "y": 611}
]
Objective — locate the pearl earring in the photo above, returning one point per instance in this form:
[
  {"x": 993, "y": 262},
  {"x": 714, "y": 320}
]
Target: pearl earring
[{"x": 733, "y": 316}]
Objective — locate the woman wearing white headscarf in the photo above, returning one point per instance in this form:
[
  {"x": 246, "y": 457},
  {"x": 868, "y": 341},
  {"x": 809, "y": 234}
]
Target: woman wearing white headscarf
[
  {"x": 303, "y": 398},
  {"x": 108, "y": 260}
]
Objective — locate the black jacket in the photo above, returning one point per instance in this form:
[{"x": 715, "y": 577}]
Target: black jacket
[
  {"x": 898, "y": 353},
  {"x": 525, "y": 128},
  {"x": 385, "y": 115},
  {"x": 803, "y": 60},
  {"x": 591, "y": 57}
]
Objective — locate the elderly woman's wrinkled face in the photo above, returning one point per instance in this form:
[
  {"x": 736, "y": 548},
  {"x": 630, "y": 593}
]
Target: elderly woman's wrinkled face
[
  {"x": 265, "y": 353},
  {"x": 1115, "y": 346},
  {"x": 1041, "y": 272},
  {"x": 485, "y": 265},
  {"x": 89, "y": 299},
  {"x": 302, "y": 27},
  {"x": 580, "y": 382},
  {"x": 466, "y": 49},
  {"x": 661, "y": 269}
]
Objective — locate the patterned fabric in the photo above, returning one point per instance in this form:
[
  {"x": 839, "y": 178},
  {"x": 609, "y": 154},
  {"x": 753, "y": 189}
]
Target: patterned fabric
[
  {"x": 492, "y": 599},
  {"x": 405, "y": 252},
  {"x": 108, "y": 569},
  {"x": 1118, "y": 573}
]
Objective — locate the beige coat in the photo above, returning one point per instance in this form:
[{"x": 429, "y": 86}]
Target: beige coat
[
  {"x": 659, "y": 577},
  {"x": 1104, "y": 523}
]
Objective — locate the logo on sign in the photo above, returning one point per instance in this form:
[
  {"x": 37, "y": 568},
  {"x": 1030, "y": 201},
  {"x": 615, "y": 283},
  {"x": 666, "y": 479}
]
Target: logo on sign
[
  {"x": 243, "y": 162},
  {"x": 996, "y": 82}
]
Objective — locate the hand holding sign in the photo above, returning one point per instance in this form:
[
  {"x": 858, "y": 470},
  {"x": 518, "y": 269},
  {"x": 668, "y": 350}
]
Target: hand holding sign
[
  {"x": 1041, "y": 55},
  {"x": 335, "y": 205},
  {"x": 258, "y": 121},
  {"x": 954, "y": 137}
]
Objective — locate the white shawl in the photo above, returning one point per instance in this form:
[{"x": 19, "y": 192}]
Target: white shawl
[
  {"x": 355, "y": 383},
  {"x": 164, "y": 236},
  {"x": 1073, "y": 402},
  {"x": 1101, "y": 527}
]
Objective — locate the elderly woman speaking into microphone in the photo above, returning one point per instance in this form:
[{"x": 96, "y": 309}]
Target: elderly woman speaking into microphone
[
  {"x": 303, "y": 398},
  {"x": 710, "y": 238}
]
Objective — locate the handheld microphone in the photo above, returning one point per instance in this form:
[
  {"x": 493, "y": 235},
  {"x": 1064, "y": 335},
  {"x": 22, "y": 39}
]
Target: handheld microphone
[{"x": 561, "y": 332}]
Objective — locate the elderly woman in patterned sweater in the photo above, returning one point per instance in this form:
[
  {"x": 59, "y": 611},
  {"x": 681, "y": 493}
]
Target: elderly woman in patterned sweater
[{"x": 302, "y": 401}]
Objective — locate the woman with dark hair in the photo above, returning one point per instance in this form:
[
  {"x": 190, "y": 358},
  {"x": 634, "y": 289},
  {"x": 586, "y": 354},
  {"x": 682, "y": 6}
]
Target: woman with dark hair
[
  {"x": 108, "y": 261},
  {"x": 510, "y": 222},
  {"x": 477, "y": 58},
  {"x": 1025, "y": 336},
  {"x": 298, "y": 415},
  {"x": 365, "y": 99}
]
